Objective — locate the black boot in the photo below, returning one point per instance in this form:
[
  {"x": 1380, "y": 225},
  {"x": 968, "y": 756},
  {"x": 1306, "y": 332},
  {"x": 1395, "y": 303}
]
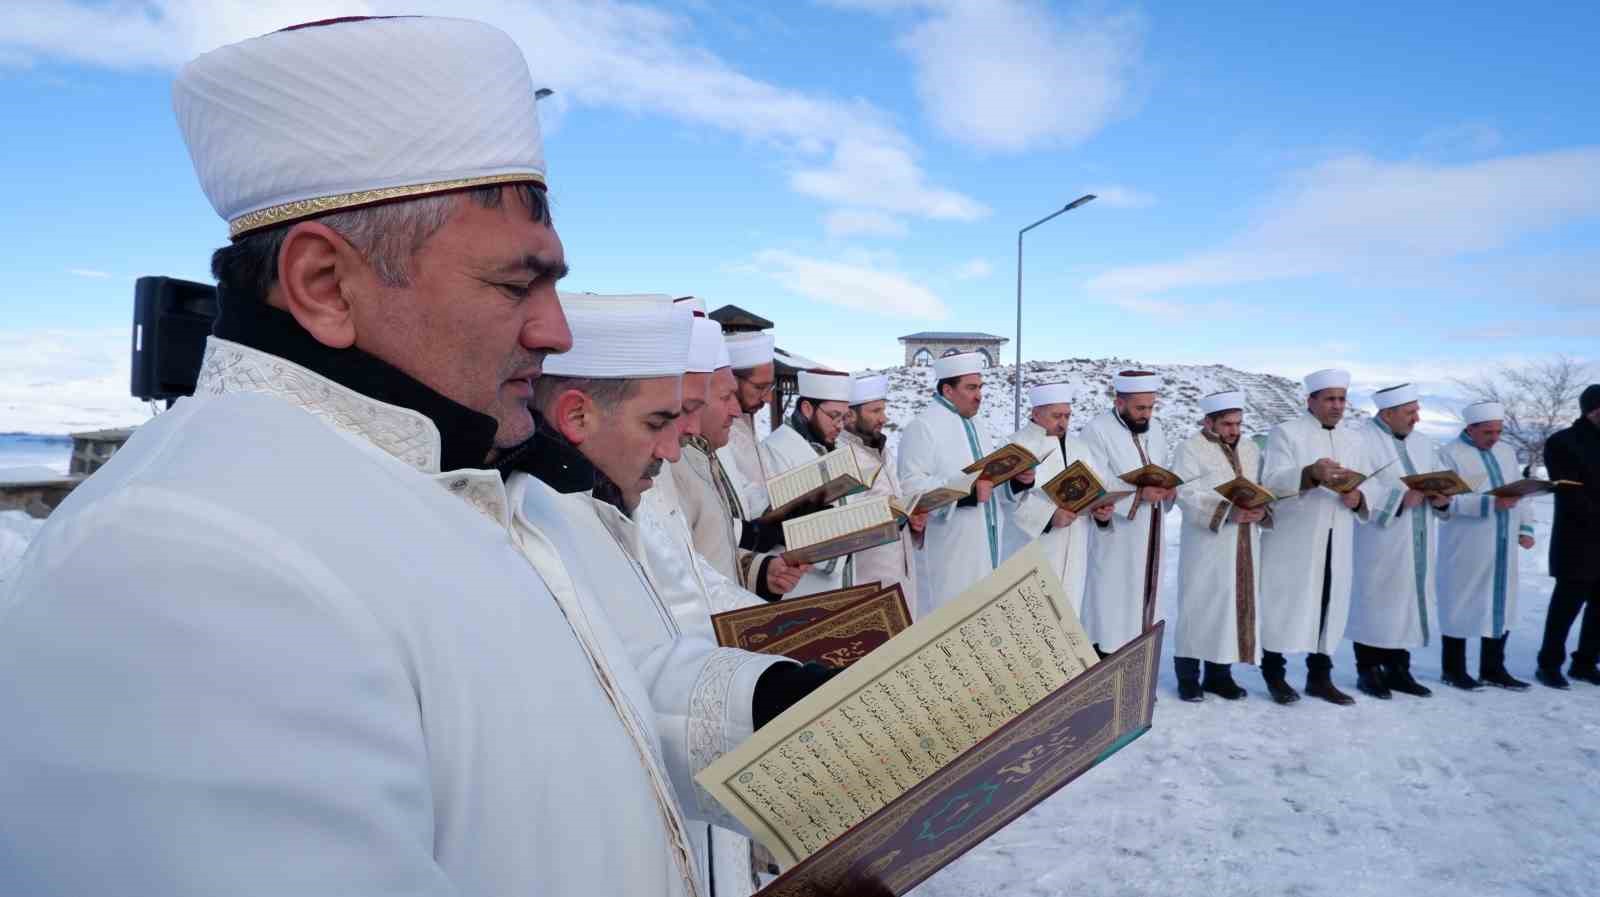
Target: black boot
[
  {"x": 1319, "y": 684},
  {"x": 1492, "y": 665},
  {"x": 1272, "y": 670},
  {"x": 1552, "y": 677},
  {"x": 1188, "y": 671},
  {"x": 1397, "y": 675},
  {"x": 1584, "y": 672},
  {"x": 1453, "y": 657},
  {"x": 1219, "y": 681},
  {"x": 1370, "y": 681}
]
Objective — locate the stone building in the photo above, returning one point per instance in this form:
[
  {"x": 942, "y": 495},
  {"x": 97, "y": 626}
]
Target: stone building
[
  {"x": 922, "y": 348},
  {"x": 91, "y": 450}
]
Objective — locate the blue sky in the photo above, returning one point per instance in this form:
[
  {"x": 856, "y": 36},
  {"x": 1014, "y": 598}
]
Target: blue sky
[{"x": 1411, "y": 190}]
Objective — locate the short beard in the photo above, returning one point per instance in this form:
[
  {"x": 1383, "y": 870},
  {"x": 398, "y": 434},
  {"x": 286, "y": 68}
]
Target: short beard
[
  {"x": 653, "y": 471},
  {"x": 1133, "y": 427},
  {"x": 875, "y": 441}
]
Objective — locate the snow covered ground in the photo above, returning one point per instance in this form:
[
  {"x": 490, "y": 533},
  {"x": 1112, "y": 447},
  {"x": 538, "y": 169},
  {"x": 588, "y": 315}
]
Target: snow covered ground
[{"x": 1470, "y": 795}]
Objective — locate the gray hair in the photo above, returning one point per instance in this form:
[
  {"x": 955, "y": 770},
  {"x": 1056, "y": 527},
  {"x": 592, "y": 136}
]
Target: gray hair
[
  {"x": 607, "y": 394},
  {"x": 387, "y": 235}
]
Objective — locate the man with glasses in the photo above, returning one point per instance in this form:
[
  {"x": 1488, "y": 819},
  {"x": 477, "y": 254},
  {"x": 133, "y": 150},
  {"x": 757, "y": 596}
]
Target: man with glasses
[{"x": 812, "y": 430}]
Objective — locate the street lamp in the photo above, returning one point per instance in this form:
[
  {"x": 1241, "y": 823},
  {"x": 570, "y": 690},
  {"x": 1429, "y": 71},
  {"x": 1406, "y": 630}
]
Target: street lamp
[{"x": 1016, "y": 423}]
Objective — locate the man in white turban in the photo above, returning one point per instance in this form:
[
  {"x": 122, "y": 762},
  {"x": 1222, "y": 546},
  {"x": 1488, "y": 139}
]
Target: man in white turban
[
  {"x": 1306, "y": 558},
  {"x": 606, "y": 414},
  {"x": 1218, "y": 573},
  {"x": 1478, "y": 544},
  {"x": 1063, "y": 538},
  {"x": 894, "y": 563},
  {"x": 1125, "y": 552},
  {"x": 821, "y": 405},
  {"x": 1392, "y": 596},
  {"x": 755, "y": 374},
  {"x": 962, "y": 541},
  {"x": 287, "y": 640}
]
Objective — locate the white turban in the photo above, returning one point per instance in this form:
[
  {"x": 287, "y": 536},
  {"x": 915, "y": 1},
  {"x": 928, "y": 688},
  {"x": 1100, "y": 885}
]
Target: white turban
[
  {"x": 1228, "y": 400},
  {"x": 623, "y": 338},
  {"x": 1050, "y": 394},
  {"x": 1394, "y": 396},
  {"x": 958, "y": 365},
  {"x": 869, "y": 389},
  {"x": 824, "y": 387},
  {"x": 1479, "y": 412},
  {"x": 705, "y": 345},
  {"x": 1328, "y": 378},
  {"x": 693, "y": 303},
  {"x": 1133, "y": 382},
  {"x": 724, "y": 360},
  {"x": 748, "y": 350},
  {"x": 323, "y": 117}
]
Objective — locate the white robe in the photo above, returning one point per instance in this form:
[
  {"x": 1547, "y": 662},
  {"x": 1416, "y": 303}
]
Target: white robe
[
  {"x": 1392, "y": 596},
  {"x": 1211, "y": 623},
  {"x": 783, "y": 450},
  {"x": 700, "y": 694},
  {"x": 690, "y": 585},
  {"x": 1295, "y": 553},
  {"x": 1067, "y": 548},
  {"x": 1114, "y": 594},
  {"x": 1477, "y": 581},
  {"x": 741, "y": 457},
  {"x": 961, "y": 545},
  {"x": 894, "y": 563},
  {"x": 271, "y": 649},
  {"x": 710, "y": 515}
]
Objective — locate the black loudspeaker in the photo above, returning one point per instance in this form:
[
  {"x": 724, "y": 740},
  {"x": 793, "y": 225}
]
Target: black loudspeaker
[{"x": 171, "y": 320}]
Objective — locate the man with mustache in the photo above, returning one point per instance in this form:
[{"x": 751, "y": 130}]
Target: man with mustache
[
  {"x": 896, "y": 562},
  {"x": 755, "y": 374},
  {"x": 285, "y": 642},
  {"x": 812, "y": 430},
  {"x": 1125, "y": 552},
  {"x": 607, "y": 414},
  {"x": 1392, "y": 595}
]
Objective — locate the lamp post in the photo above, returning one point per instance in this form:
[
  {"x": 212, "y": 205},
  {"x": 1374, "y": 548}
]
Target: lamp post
[{"x": 1016, "y": 423}]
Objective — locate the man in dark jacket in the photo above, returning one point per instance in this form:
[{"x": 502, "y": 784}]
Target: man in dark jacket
[{"x": 1574, "y": 454}]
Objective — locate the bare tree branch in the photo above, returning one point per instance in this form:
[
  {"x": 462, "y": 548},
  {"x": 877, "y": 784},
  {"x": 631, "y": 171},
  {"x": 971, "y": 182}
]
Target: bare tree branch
[{"x": 1540, "y": 398}]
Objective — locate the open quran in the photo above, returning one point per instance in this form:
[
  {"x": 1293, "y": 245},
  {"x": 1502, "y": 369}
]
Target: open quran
[
  {"x": 1152, "y": 475},
  {"x": 1351, "y": 480},
  {"x": 1437, "y": 482},
  {"x": 956, "y": 489},
  {"x": 1078, "y": 490},
  {"x": 1005, "y": 462},
  {"x": 820, "y": 482},
  {"x": 1522, "y": 488},
  {"x": 1243, "y": 493},
  {"x": 937, "y": 739},
  {"x": 836, "y": 532},
  {"x": 838, "y": 631}
]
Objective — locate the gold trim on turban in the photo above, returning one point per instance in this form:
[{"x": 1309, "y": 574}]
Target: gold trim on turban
[{"x": 322, "y": 205}]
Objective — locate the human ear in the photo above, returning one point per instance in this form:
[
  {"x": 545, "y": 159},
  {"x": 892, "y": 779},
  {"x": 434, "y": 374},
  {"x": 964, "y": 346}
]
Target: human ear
[{"x": 315, "y": 269}]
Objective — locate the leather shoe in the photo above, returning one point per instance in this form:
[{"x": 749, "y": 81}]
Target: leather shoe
[
  {"x": 1325, "y": 689},
  {"x": 1402, "y": 682},
  {"x": 1282, "y": 691},
  {"x": 1224, "y": 687},
  {"x": 1587, "y": 673},
  {"x": 1461, "y": 681},
  {"x": 1369, "y": 682},
  {"x": 1189, "y": 690},
  {"x": 1503, "y": 679},
  {"x": 1552, "y": 678}
]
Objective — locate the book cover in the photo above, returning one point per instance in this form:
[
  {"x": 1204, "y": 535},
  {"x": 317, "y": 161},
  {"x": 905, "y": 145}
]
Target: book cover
[
  {"x": 1005, "y": 462},
  {"x": 845, "y": 637},
  {"x": 752, "y": 627},
  {"x": 978, "y": 793},
  {"x": 1242, "y": 493},
  {"x": 1152, "y": 475},
  {"x": 1075, "y": 488},
  {"x": 1522, "y": 488},
  {"x": 1437, "y": 482}
]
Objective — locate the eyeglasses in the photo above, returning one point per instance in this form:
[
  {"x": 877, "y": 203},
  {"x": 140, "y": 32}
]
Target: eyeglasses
[
  {"x": 762, "y": 389},
  {"x": 835, "y": 416}
]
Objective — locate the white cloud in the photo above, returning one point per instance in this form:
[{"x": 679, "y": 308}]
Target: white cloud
[
  {"x": 58, "y": 381},
  {"x": 592, "y": 52},
  {"x": 862, "y": 223},
  {"x": 857, "y": 286},
  {"x": 973, "y": 269},
  {"x": 1122, "y": 197},
  {"x": 89, "y": 273},
  {"x": 1360, "y": 216},
  {"x": 1011, "y": 75}
]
